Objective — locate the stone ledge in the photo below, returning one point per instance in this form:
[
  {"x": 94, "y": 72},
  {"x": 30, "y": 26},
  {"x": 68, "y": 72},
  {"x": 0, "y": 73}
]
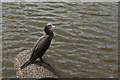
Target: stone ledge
[{"x": 36, "y": 70}]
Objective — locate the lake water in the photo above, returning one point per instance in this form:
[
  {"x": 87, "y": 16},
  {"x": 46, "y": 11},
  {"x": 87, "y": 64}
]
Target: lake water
[{"x": 85, "y": 44}]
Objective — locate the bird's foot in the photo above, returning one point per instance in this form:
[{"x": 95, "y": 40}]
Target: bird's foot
[{"x": 44, "y": 62}]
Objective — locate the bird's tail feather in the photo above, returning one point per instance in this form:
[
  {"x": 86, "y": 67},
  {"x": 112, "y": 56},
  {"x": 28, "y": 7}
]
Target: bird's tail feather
[{"x": 25, "y": 64}]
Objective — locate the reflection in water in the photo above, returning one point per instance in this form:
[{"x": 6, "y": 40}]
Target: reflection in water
[{"x": 85, "y": 42}]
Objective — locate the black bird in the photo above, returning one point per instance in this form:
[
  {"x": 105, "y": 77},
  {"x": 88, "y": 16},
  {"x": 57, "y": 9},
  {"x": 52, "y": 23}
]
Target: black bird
[{"x": 41, "y": 46}]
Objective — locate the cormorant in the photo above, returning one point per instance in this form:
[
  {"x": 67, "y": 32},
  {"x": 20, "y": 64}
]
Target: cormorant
[{"x": 41, "y": 46}]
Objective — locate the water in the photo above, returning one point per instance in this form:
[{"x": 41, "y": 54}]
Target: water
[{"x": 85, "y": 44}]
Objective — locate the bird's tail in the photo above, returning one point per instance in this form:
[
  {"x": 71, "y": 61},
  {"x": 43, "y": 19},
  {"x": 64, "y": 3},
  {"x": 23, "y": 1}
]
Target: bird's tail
[{"x": 25, "y": 64}]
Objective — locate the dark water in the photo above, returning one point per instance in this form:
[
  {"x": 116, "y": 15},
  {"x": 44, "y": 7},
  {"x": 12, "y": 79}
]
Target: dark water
[{"x": 85, "y": 43}]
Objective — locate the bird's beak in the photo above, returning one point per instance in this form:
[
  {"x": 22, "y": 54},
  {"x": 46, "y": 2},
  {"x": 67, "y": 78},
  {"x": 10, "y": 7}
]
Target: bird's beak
[{"x": 53, "y": 26}]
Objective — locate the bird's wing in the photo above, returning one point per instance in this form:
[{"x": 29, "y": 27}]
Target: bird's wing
[
  {"x": 37, "y": 44},
  {"x": 39, "y": 41}
]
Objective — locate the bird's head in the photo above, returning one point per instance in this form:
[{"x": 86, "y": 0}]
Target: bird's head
[{"x": 49, "y": 25}]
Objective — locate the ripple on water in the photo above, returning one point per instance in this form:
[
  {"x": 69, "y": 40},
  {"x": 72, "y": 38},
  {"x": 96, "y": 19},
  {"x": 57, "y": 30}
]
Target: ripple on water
[{"x": 85, "y": 41}]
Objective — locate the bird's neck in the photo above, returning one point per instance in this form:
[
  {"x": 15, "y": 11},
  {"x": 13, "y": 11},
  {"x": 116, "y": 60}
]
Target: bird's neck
[{"x": 48, "y": 32}]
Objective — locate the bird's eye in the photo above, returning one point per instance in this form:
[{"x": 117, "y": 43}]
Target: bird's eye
[{"x": 49, "y": 26}]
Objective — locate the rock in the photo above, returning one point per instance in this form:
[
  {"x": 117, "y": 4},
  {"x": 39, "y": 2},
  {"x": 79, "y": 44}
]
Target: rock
[{"x": 36, "y": 70}]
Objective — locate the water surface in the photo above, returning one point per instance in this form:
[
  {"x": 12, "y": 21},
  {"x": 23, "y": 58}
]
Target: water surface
[{"x": 85, "y": 44}]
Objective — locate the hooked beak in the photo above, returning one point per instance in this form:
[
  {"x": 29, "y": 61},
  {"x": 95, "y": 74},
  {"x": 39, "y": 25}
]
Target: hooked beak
[{"x": 53, "y": 26}]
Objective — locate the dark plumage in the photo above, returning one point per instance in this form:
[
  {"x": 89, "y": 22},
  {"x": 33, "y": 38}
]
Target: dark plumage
[{"x": 41, "y": 46}]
